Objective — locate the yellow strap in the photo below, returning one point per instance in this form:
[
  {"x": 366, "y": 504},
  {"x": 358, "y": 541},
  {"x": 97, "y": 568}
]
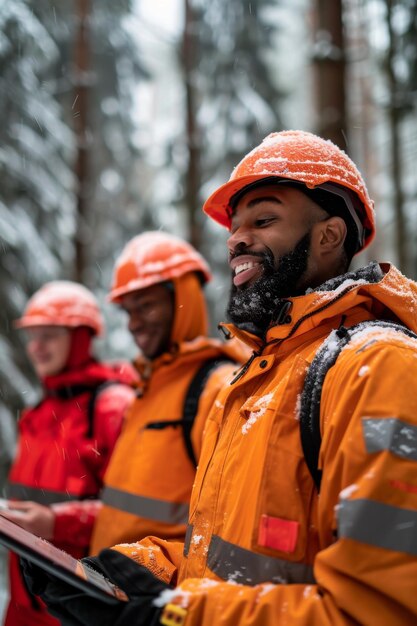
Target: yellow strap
[{"x": 173, "y": 615}]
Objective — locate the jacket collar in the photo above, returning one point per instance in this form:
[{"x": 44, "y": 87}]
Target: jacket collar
[{"x": 369, "y": 274}]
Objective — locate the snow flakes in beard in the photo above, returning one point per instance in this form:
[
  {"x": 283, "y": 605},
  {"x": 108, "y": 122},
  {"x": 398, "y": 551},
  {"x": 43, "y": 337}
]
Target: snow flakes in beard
[{"x": 252, "y": 308}]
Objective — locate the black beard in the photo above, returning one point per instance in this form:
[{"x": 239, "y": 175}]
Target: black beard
[{"x": 252, "y": 308}]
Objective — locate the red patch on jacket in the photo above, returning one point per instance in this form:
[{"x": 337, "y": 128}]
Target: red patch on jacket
[{"x": 279, "y": 534}]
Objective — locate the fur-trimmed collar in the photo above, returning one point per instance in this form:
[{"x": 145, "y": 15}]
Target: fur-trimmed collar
[{"x": 371, "y": 273}]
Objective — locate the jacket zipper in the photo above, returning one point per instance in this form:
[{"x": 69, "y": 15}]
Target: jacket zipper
[{"x": 257, "y": 353}]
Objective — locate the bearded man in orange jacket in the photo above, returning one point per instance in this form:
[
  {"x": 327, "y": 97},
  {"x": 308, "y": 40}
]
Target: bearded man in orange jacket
[{"x": 263, "y": 546}]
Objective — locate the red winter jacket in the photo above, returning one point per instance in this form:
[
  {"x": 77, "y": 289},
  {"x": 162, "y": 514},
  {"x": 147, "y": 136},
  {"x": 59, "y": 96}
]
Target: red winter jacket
[{"x": 60, "y": 461}]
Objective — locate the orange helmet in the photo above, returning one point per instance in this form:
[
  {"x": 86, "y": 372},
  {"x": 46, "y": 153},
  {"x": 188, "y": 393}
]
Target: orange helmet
[
  {"x": 151, "y": 258},
  {"x": 62, "y": 303},
  {"x": 304, "y": 158}
]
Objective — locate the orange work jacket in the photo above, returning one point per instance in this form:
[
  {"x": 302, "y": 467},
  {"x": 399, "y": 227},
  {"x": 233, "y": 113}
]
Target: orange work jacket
[
  {"x": 148, "y": 483},
  {"x": 263, "y": 547}
]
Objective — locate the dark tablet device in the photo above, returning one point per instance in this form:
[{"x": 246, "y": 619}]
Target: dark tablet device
[{"x": 58, "y": 563}]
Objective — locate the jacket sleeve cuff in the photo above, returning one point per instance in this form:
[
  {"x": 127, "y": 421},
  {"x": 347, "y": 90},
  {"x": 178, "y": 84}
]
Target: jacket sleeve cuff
[{"x": 74, "y": 522}]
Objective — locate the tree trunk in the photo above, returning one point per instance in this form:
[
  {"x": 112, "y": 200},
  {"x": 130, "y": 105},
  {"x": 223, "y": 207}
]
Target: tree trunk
[
  {"x": 394, "y": 120},
  {"x": 80, "y": 113},
  {"x": 193, "y": 174},
  {"x": 329, "y": 59}
]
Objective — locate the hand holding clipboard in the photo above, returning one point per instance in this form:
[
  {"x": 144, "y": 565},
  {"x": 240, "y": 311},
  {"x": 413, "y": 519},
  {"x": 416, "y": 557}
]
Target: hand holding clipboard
[
  {"x": 58, "y": 563},
  {"x": 77, "y": 593}
]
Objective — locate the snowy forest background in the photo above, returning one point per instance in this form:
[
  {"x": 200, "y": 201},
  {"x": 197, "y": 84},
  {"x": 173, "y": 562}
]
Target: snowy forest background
[{"x": 119, "y": 117}]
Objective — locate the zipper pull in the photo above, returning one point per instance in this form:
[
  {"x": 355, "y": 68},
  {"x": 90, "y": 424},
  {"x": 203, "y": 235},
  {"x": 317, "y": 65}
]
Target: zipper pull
[
  {"x": 225, "y": 331},
  {"x": 281, "y": 316},
  {"x": 245, "y": 367}
]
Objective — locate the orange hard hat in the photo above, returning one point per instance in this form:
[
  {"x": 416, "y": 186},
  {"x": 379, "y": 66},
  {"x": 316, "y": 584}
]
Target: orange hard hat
[
  {"x": 151, "y": 258},
  {"x": 304, "y": 158},
  {"x": 62, "y": 303}
]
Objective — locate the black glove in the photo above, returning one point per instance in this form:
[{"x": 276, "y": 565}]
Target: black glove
[
  {"x": 76, "y": 608},
  {"x": 36, "y": 578}
]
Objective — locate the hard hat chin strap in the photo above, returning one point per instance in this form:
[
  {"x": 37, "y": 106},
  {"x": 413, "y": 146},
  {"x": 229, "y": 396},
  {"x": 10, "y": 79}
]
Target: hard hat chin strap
[{"x": 347, "y": 197}]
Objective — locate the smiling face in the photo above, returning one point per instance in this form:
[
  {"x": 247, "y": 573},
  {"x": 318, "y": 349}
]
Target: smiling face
[
  {"x": 270, "y": 252},
  {"x": 48, "y": 349},
  {"x": 151, "y": 314}
]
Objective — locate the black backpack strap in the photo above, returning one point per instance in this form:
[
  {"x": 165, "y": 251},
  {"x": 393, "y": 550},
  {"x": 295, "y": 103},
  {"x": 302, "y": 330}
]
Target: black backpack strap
[
  {"x": 325, "y": 358},
  {"x": 192, "y": 399},
  {"x": 69, "y": 391}
]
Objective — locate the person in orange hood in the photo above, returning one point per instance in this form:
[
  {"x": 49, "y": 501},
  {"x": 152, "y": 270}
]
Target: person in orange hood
[
  {"x": 66, "y": 440},
  {"x": 158, "y": 280},
  {"x": 268, "y": 543}
]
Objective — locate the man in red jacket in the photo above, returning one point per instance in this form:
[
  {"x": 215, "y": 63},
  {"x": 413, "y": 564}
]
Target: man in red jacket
[{"x": 66, "y": 440}]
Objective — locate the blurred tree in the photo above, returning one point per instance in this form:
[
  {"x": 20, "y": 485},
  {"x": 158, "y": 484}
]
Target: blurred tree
[
  {"x": 231, "y": 94},
  {"x": 36, "y": 194},
  {"x": 240, "y": 79},
  {"x": 38, "y": 197},
  {"x": 81, "y": 94},
  {"x": 400, "y": 66},
  {"x": 409, "y": 47},
  {"x": 115, "y": 208},
  {"x": 392, "y": 40},
  {"x": 96, "y": 75},
  {"x": 330, "y": 61},
  {"x": 232, "y": 98},
  {"x": 193, "y": 174}
]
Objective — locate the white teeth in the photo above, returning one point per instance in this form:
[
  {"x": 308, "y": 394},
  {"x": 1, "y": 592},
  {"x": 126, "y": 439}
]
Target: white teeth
[{"x": 244, "y": 266}]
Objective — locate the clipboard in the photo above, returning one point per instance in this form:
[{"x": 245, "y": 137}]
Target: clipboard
[{"x": 58, "y": 563}]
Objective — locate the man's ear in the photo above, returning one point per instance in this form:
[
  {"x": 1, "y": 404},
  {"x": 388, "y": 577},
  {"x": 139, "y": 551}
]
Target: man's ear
[{"x": 328, "y": 236}]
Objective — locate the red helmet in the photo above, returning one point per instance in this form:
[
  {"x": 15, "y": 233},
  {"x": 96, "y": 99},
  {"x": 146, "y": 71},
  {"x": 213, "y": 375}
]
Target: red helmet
[
  {"x": 305, "y": 158},
  {"x": 62, "y": 303},
  {"x": 151, "y": 258}
]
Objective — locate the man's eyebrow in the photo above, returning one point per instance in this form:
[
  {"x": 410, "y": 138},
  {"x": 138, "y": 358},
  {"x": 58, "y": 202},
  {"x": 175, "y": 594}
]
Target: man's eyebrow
[
  {"x": 260, "y": 199},
  {"x": 255, "y": 202}
]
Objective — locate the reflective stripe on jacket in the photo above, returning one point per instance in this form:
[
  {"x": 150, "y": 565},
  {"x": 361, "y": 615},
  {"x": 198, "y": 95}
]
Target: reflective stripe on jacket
[{"x": 347, "y": 556}]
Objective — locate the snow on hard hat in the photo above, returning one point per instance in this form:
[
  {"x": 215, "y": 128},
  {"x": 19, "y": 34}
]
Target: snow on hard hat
[
  {"x": 151, "y": 258},
  {"x": 302, "y": 157},
  {"x": 62, "y": 303}
]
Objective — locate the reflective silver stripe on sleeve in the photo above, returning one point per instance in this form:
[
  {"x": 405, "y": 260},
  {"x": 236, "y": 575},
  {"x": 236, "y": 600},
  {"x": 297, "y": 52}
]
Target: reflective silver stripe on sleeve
[
  {"x": 187, "y": 540},
  {"x": 151, "y": 508},
  {"x": 378, "y": 524},
  {"x": 391, "y": 434},
  {"x": 42, "y": 496},
  {"x": 231, "y": 562}
]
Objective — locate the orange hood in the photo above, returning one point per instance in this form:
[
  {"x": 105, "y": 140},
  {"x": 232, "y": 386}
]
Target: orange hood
[
  {"x": 190, "y": 322},
  {"x": 190, "y": 310}
]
